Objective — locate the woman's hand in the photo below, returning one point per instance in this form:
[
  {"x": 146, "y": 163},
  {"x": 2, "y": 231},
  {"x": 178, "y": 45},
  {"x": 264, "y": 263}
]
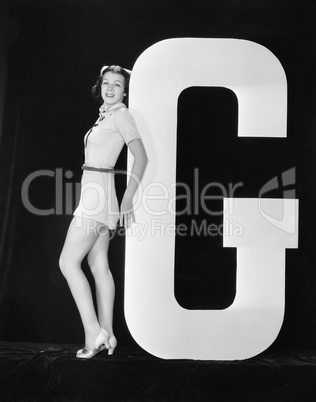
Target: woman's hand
[
  {"x": 127, "y": 216},
  {"x": 140, "y": 160}
]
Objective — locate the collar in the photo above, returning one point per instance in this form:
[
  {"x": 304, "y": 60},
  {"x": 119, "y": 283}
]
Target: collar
[{"x": 103, "y": 112}]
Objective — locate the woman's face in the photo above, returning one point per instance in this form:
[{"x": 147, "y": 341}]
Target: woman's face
[{"x": 112, "y": 88}]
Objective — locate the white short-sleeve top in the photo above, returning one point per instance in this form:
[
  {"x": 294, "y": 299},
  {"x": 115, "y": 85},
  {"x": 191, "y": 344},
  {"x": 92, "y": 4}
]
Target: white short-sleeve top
[{"x": 104, "y": 142}]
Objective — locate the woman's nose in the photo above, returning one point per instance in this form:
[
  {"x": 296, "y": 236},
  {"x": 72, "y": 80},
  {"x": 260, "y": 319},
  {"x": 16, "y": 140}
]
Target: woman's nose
[{"x": 110, "y": 87}]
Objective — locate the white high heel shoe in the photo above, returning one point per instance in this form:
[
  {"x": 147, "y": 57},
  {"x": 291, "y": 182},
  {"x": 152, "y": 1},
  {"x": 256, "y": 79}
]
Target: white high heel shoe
[{"x": 101, "y": 343}]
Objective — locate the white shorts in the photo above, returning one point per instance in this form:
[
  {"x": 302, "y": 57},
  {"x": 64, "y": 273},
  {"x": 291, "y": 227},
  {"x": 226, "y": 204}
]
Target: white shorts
[{"x": 98, "y": 199}]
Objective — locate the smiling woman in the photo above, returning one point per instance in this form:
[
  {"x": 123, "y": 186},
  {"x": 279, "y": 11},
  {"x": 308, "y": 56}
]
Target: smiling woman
[
  {"x": 98, "y": 211},
  {"x": 122, "y": 75},
  {"x": 112, "y": 88}
]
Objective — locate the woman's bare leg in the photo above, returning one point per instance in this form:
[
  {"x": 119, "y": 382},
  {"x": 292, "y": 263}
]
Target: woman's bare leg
[
  {"x": 104, "y": 284},
  {"x": 78, "y": 243}
]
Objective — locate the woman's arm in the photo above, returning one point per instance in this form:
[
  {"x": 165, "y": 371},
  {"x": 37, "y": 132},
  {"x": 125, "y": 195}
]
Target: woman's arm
[{"x": 140, "y": 161}]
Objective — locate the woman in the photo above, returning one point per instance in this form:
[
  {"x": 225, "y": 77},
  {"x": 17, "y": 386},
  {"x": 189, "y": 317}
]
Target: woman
[{"x": 98, "y": 212}]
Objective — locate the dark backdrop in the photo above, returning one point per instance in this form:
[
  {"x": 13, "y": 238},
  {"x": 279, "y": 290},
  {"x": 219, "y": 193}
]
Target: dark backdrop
[{"x": 53, "y": 50}]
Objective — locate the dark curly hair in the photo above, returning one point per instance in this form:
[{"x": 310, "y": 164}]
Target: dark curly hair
[{"x": 96, "y": 89}]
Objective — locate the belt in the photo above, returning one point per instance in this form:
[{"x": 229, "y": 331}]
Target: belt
[{"x": 102, "y": 170}]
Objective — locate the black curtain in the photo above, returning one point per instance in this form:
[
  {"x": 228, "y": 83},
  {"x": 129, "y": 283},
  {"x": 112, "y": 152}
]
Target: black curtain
[
  {"x": 52, "y": 64},
  {"x": 10, "y": 115}
]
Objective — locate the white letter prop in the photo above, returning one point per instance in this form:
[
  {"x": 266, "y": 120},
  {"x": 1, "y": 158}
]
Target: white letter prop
[{"x": 155, "y": 319}]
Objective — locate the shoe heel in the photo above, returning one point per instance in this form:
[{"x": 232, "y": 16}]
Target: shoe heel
[{"x": 113, "y": 344}]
